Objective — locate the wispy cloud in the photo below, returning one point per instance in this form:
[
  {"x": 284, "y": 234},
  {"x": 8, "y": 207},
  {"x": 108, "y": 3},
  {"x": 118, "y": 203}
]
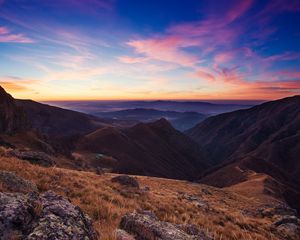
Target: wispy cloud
[
  {"x": 16, "y": 84},
  {"x": 6, "y": 36},
  {"x": 168, "y": 49},
  {"x": 220, "y": 53},
  {"x": 205, "y": 36},
  {"x": 128, "y": 59},
  {"x": 212, "y": 47}
]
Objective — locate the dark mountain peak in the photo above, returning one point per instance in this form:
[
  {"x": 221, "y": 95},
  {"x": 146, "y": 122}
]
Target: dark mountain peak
[
  {"x": 4, "y": 96},
  {"x": 12, "y": 117},
  {"x": 162, "y": 123},
  {"x": 160, "y": 126}
]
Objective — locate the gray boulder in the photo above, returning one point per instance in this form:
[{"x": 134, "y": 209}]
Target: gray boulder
[
  {"x": 147, "y": 227},
  {"x": 47, "y": 216}
]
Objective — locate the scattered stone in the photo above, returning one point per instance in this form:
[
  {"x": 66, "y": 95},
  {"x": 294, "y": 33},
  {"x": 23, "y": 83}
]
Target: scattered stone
[
  {"x": 40, "y": 158},
  {"x": 123, "y": 235},
  {"x": 44, "y": 217},
  {"x": 285, "y": 220},
  {"x": 206, "y": 191},
  {"x": 197, "y": 201},
  {"x": 126, "y": 181},
  {"x": 100, "y": 171},
  {"x": 14, "y": 183},
  {"x": 147, "y": 227}
]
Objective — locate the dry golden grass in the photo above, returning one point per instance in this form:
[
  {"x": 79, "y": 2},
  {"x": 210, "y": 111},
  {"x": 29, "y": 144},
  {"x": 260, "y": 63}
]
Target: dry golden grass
[{"x": 107, "y": 202}]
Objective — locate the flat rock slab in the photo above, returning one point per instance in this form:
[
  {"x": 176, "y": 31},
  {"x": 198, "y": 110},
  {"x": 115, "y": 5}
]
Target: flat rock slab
[{"x": 39, "y": 158}]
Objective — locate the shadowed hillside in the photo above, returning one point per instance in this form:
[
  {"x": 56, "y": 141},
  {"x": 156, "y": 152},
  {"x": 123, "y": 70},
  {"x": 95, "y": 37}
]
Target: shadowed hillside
[
  {"x": 270, "y": 131},
  {"x": 154, "y": 149}
]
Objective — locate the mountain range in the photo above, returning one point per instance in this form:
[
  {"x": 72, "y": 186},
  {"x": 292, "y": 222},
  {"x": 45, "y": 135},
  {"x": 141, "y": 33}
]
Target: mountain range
[
  {"x": 206, "y": 108},
  {"x": 253, "y": 150},
  {"x": 179, "y": 120}
]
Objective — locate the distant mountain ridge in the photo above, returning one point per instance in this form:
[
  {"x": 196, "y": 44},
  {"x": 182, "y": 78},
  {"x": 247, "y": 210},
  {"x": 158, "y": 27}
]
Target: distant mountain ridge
[
  {"x": 180, "y": 120},
  {"x": 162, "y": 105}
]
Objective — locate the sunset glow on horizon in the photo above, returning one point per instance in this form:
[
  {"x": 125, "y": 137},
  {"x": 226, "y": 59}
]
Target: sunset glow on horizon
[{"x": 113, "y": 49}]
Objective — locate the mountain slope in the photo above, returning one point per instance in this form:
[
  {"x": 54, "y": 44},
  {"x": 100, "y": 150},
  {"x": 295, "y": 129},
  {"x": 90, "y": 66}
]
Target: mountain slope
[
  {"x": 270, "y": 131},
  {"x": 224, "y": 213},
  {"x": 12, "y": 118},
  {"x": 255, "y": 176},
  {"x": 57, "y": 121},
  {"x": 154, "y": 149}
]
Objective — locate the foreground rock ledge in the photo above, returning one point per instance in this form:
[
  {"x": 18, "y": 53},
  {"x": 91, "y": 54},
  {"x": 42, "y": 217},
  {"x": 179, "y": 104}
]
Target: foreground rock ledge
[
  {"x": 43, "y": 217},
  {"x": 148, "y": 227}
]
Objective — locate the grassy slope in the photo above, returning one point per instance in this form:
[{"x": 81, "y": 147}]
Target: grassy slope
[{"x": 107, "y": 202}]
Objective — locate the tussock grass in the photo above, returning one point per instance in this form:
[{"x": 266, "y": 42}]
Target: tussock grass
[{"x": 106, "y": 202}]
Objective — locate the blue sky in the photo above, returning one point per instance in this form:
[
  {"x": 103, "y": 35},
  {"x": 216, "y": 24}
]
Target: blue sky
[{"x": 101, "y": 49}]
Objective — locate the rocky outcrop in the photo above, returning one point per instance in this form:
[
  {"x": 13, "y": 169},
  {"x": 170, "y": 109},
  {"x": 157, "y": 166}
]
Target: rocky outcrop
[
  {"x": 47, "y": 216},
  {"x": 40, "y": 158},
  {"x": 11, "y": 182},
  {"x": 126, "y": 181},
  {"x": 146, "y": 226}
]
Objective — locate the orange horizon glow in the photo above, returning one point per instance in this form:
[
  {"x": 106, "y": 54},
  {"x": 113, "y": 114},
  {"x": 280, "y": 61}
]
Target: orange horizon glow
[
  {"x": 72, "y": 50},
  {"x": 241, "y": 95}
]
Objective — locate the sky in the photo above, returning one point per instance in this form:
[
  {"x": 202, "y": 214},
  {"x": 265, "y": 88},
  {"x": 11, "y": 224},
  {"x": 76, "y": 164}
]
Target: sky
[{"x": 166, "y": 49}]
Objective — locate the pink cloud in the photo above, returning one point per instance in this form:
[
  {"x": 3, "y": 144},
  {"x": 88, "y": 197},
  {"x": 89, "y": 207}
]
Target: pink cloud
[
  {"x": 3, "y": 30},
  {"x": 168, "y": 49},
  {"x": 239, "y": 9},
  {"x": 289, "y": 74},
  {"x": 286, "y": 87},
  {"x": 205, "y": 35},
  {"x": 204, "y": 75},
  {"x": 266, "y": 90},
  {"x": 215, "y": 29},
  {"x": 6, "y": 36},
  {"x": 224, "y": 57},
  {"x": 283, "y": 57},
  {"x": 91, "y": 6},
  {"x": 128, "y": 59}
]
